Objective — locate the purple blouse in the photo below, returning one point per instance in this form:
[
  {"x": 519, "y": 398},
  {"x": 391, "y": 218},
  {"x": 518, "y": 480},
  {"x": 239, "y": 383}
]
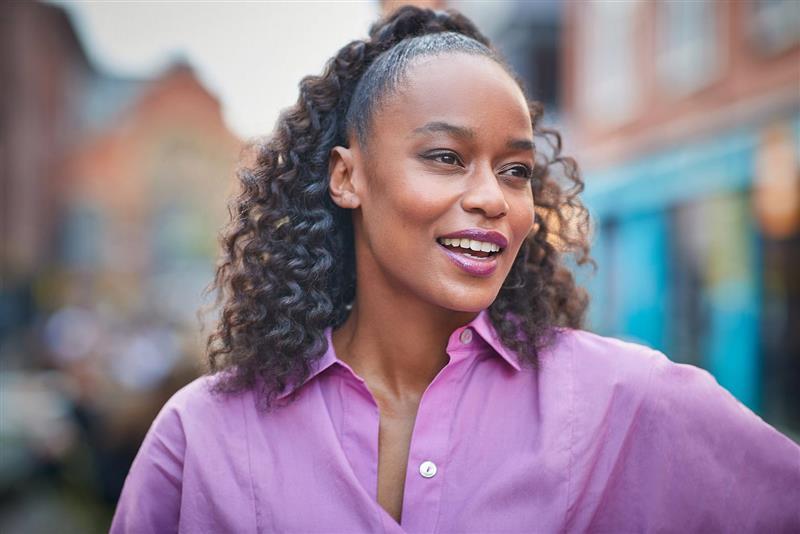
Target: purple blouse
[{"x": 605, "y": 436}]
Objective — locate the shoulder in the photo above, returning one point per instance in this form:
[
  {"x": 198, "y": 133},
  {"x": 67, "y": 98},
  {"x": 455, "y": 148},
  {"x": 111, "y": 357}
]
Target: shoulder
[
  {"x": 198, "y": 408},
  {"x": 595, "y": 362},
  {"x": 686, "y": 400},
  {"x": 599, "y": 362},
  {"x": 194, "y": 432},
  {"x": 667, "y": 398},
  {"x": 595, "y": 348},
  {"x": 640, "y": 419},
  {"x": 196, "y": 395}
]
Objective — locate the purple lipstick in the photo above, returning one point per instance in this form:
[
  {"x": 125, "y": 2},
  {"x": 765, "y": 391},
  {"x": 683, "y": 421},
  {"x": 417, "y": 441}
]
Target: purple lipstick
[{"x": 474, "y": 250}]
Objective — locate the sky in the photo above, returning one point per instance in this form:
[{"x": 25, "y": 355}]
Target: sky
[{"x": 251, "y": 55}]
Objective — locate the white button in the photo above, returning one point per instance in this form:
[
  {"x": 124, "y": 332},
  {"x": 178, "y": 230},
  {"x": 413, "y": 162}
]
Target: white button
[
  {"x": 427, "y": 469},
  {"x": 466, "y": 336}
]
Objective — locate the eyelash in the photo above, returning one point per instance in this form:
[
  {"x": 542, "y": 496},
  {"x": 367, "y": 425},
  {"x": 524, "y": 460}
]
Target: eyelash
[
  {"x": 528, "y": 172},
  {"x": 441, "y": 154}
]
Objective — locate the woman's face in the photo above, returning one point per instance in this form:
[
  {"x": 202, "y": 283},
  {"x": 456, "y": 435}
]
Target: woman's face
[{"x": 447, "y": 170}]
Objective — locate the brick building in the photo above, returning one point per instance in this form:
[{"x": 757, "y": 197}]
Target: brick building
[
  {"x": 147, "y": 196},
  {"x": 113, "y": 189},
  {"x": 42, "y": 72}
]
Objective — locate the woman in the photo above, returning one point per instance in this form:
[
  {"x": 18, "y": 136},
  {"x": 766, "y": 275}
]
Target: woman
[{"x": 398, "y": 348}]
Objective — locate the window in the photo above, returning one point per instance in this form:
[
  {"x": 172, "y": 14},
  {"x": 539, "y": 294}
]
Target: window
[
  {"x": 688, "y": 55},
  {"x": 775, "y": 25},
  {"x": 609, "y": 89}
]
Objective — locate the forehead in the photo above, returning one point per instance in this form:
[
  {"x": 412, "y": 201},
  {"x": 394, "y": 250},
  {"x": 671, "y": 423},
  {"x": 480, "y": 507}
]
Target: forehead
[{"x": 468, "y": 90}]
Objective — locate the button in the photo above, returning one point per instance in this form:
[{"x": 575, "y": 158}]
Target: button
[
  {"x": 427, "y": 469},
  {"x": 466, "y": 336}
]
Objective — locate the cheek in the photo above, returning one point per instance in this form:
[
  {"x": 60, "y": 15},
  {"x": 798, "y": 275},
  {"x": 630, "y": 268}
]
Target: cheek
[
  {"x": 409, "y": 203},
  {"x": 398, "y": 227},
  {"x": 522, "y": 214}
]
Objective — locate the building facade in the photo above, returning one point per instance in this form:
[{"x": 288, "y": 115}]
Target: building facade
[{"x": 686, "y": 119}]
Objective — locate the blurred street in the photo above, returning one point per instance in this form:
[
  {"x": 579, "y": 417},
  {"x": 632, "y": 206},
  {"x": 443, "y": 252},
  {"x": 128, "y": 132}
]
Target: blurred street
[{"x": 683, "y": 116}]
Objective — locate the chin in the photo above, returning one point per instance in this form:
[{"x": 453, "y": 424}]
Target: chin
[{"x": 466, "y": 299}]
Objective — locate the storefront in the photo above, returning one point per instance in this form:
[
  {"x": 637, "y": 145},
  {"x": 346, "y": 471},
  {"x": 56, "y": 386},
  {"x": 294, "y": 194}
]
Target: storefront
[{"x": 698, "y": 250}]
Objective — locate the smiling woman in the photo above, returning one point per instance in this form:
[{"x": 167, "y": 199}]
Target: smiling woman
[{"x": 399, "y": 345}]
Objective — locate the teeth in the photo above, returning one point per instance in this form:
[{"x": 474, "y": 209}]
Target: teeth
[{"x": 470, "y": 244}]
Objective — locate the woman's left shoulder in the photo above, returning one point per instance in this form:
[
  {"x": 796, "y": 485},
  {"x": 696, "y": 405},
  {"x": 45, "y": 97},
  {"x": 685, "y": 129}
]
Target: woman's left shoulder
[
  {"x": 662, "y": 386},
  {"x": 600, "y": 362},
  {"x": 709, "y": 462}
]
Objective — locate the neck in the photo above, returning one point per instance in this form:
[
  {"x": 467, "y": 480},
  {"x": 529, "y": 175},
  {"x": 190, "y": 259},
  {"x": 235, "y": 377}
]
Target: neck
[{"x": 394, "y": 341}]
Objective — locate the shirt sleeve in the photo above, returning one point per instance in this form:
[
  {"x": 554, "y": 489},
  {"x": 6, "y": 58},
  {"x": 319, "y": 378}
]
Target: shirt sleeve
[
  {"x": 151, "y": 496},
  {"x": 698, "y": 460}
]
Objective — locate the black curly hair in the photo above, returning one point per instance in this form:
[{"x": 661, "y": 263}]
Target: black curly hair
[{"x": 287, "y": 270}]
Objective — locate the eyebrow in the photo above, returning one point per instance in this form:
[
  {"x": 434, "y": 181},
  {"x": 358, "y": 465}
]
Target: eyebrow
[
  {"x": 520, "y": 144},
  {"x": 439, "y": 126},
  {"x": 467, "y": 134}
]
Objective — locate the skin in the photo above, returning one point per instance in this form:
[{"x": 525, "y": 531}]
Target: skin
[{"x": 411, "y": 185}]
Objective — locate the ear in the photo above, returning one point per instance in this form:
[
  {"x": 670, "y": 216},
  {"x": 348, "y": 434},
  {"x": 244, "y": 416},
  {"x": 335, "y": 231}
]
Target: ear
[{"x": 340, "y": 178}]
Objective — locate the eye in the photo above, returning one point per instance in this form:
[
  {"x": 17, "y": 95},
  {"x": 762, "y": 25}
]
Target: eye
[
  {"x": 448, "y": 157},
  {"x": 521, "y": 171}
]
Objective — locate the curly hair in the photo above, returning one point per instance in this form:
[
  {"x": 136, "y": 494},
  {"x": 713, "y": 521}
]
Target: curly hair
[{"x": 287, "y": 267}]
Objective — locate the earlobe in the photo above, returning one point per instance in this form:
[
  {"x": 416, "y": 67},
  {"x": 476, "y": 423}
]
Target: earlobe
[{"x": 340, "y": 178}]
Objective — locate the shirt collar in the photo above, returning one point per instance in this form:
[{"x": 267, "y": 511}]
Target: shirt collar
[
  {"x": 486, "y": 330},
  {"x": 481, "y": 325}
]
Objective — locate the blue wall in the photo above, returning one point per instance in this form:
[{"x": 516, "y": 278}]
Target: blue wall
[{"x": 632, "y": 293}]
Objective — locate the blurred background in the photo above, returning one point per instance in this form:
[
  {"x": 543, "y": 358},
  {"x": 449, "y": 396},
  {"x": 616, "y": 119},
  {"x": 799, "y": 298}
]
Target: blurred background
[{"x": 121, "y": 125}]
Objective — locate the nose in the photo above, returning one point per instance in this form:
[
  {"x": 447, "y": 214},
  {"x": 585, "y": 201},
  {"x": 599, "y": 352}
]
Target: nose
[{"x": 484, "y": 194}]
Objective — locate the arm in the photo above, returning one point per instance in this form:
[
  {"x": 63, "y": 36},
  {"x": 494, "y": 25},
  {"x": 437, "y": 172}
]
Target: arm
[
  {"x": 699, "y": 460},
  {"x": 151, "y": 497}
]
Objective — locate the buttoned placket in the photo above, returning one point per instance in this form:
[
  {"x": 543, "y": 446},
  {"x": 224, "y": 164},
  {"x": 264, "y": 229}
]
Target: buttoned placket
[{"x": 426, "y": 470}]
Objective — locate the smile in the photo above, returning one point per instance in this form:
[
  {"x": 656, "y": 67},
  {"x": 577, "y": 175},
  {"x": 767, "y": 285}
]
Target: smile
[{"x": 474, "y": 251}]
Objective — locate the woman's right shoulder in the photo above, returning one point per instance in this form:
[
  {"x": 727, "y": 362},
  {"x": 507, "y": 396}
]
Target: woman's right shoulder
[
  {"x": 196, "y": 430},
  {"x": 196, "y": 395},
  {"x": 198, "y": 406}
]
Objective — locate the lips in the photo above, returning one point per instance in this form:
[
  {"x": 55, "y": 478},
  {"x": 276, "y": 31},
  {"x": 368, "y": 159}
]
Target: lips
[
  {"x": 474, "y": 251},
  {"x": 476, "y": 234}
]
